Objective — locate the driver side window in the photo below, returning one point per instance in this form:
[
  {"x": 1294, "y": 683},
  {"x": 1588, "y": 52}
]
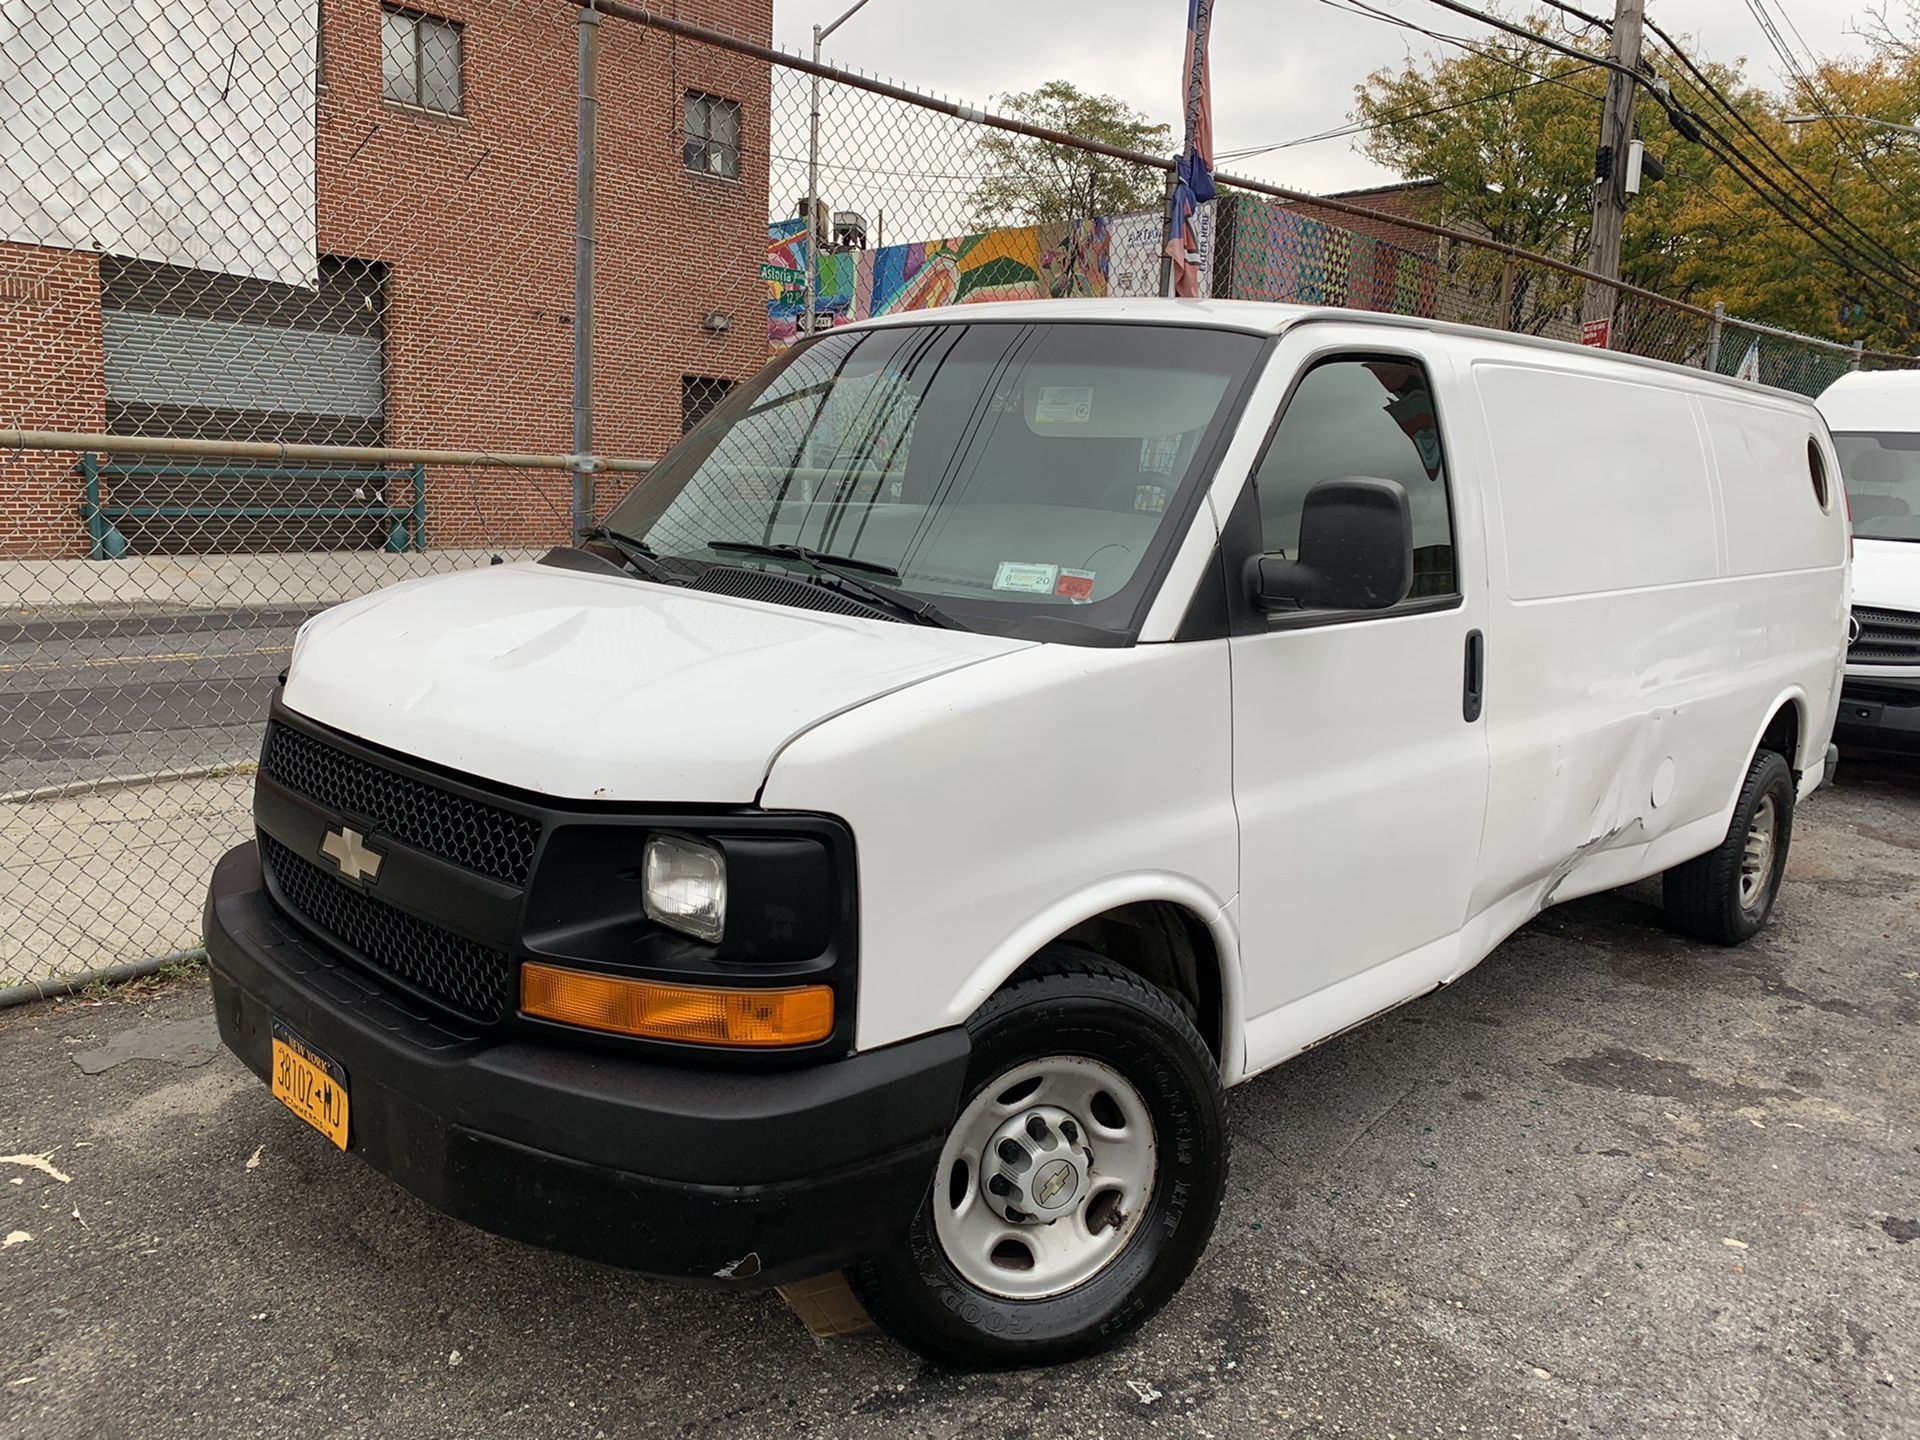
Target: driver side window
[{"x": 1366, "y": 416}]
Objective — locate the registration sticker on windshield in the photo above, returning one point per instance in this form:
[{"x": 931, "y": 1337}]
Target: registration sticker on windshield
[
  {"x": 1075, "y": 585},
  {"x": 1063, "y": 405},
  {"x": 1026, "y": 578}
]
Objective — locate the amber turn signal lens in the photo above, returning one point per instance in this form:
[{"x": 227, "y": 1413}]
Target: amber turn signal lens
[{"x": 690, "y": 1014}]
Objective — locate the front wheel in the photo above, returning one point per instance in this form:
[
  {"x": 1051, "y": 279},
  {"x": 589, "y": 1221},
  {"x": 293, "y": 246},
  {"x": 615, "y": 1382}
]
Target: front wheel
[
  {"x": 1726, "y": 895},
  {"x": 1078, "y": 1185}
]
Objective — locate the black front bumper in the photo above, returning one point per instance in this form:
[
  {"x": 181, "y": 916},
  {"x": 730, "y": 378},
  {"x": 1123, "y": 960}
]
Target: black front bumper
[
  {"x": 1879, "y": 714},
  {"x": 754, "y": 1177}
]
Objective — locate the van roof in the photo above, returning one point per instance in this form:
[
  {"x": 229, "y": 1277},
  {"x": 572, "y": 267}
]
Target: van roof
[
  {"x": 1873, "y": 400},
  {"x": 1269, "y": 318}
]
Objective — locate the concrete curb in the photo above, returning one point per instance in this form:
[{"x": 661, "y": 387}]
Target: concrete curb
[
  {"x": 31, "y": 990},
  {"x": 127, "y": 782}
]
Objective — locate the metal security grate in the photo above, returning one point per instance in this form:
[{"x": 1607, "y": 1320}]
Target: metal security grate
[
  {"x": 470, "y": 833},
  {"x": 1886, "y": 637},
  {"x": 461, "y": 974}
]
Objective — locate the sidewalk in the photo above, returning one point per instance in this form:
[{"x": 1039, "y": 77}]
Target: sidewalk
[
  {"x": 50, "y": 589},
  {"x": 113, "y": 876}
]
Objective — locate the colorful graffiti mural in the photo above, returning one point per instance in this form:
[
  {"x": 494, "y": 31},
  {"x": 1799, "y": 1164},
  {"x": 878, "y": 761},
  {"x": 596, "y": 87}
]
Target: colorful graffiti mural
[
  {"x": 1276, "y": 253},
  {"x": 1267, "y": 252},
  {"x": 1101, "y": 256}
]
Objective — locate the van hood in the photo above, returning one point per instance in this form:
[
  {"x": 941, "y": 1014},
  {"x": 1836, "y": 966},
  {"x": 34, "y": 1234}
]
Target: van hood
[
  {"x": 1886, "y": 574},
  {"x": 598, "y": 687}
]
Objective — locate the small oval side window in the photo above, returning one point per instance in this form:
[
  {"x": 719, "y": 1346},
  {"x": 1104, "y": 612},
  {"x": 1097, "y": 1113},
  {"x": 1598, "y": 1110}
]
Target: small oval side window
[{"x": 1818, "y": 468}]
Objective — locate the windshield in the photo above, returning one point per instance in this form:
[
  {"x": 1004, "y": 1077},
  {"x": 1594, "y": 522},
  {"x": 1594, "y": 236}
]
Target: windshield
[
  {"x": 1008, "y": 473},
  {"x": 1882, "y": 471}
]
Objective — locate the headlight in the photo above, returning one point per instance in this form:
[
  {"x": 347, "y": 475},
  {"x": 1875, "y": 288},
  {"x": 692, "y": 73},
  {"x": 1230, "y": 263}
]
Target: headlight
[{"x": 686, "y": 886}]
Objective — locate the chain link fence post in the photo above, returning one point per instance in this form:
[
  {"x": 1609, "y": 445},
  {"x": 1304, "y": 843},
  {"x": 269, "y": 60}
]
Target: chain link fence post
[{"x": 585, "y": 183}]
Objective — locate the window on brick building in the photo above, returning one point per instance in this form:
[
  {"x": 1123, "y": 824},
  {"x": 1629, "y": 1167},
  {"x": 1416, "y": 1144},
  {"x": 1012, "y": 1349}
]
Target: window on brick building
[
  {"x": 420, "y": 60},
  {"x": 698, "y": 395},
  {"x": 712, "y": 135}
]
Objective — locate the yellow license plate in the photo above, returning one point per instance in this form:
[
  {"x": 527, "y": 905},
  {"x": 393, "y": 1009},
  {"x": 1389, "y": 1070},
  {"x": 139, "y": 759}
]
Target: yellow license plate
[{"x": 310, "y": 1084}]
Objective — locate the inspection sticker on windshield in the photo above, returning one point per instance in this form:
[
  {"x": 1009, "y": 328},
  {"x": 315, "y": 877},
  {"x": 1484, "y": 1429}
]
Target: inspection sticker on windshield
[
  {"x": 1076, "y": 585},
  {"x": 1026, "y": 578},
  {"x": 1063, "y": 405}
]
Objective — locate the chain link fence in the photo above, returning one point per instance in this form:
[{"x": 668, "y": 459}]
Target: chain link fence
[
  {"x": 299, "y": 300},
  {"x": 1785, "y": 358}
]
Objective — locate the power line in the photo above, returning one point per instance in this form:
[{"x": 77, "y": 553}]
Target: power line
[
  {"x": 1693, "y": 122},
  {"x": 1761, "y": 184},
  {"x": 1365, "y": 125},
  {"x": 1581, "y": 15},
  {"x": 1368, "y": 12},
  {"x": 1886, "y": 256},
  {"x": 1815, "y": 95}
]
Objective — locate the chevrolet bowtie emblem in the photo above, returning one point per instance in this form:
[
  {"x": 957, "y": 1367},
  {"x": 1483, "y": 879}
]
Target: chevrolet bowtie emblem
[{"x": 348, "y": 849}]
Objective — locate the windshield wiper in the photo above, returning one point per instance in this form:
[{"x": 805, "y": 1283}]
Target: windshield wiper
[
  {"x": 828, "y": 568},
  {"x": 819, "y": 559},
  {"x": 638, "y": 554}
]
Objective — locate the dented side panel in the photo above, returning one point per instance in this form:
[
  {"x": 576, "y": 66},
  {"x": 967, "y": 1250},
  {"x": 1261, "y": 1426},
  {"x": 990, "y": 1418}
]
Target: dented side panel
[{"x": 1635, "y": 658}]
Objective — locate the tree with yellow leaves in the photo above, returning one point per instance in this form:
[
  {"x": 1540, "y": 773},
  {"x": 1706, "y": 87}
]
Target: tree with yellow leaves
[{"x": 1813, "y": 227}]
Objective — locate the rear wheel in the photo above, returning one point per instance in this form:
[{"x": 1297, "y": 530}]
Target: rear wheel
[
  {"x": 1726, "y": 895},
  {"x": 1079, "y": 1183}
]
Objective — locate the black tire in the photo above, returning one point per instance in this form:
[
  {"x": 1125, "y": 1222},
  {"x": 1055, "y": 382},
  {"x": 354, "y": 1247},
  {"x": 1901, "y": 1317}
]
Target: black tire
[
  {"x": 1071, "y": 1003},
  {"x": 1703, "y": 897}
]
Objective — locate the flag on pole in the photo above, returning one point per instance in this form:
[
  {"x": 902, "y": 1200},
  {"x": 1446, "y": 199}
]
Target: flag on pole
[{"x": 1193, "y": 186}]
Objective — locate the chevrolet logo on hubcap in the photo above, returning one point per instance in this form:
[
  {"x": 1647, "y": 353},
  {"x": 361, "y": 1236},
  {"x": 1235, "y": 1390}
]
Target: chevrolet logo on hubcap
[
  {"x": 348, "y": 849},
  {"x": 1053, "y": 1183}
]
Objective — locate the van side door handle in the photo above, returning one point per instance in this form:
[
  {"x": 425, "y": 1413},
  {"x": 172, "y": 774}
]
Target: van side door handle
[{"x": 1473, "y": 691}]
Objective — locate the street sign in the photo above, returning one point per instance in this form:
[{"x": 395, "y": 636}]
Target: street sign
[
  {"x": 1596, "y": 332},
  {"x": 783, "y": 274}
]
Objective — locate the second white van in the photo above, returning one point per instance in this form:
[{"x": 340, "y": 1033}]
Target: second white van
[
  {"x": 1875, "y": 416},
  {"x": 989, "y": 735}
]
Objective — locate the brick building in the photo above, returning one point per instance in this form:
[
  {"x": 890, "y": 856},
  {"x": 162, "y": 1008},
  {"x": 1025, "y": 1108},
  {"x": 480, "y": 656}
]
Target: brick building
[{"x": 445, "y": 156}]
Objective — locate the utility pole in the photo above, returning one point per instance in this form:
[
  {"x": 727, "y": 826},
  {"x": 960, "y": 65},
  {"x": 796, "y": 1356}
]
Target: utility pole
[
  {"x": 816, "y": 232},
  {"x": 1610, "y": 172}
]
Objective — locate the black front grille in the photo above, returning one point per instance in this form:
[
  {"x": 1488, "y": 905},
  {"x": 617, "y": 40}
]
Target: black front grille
[
  {"x": 461, "y": 974},
  {"x": 470, "y": 833},
  {"x": 1887, "y": 637}
]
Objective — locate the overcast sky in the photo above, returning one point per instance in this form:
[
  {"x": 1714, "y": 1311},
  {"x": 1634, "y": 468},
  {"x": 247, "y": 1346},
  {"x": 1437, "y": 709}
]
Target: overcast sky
[{"x": 1281, "y": 68}]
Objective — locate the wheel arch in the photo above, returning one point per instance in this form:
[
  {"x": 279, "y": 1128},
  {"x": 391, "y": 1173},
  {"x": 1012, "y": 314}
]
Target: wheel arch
[
  {"x": 1165, "y": 928},
  {"x": 1785, "y": 730}
]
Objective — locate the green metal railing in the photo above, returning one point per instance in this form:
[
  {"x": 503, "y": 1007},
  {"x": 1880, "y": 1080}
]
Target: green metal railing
[{"x": 406, "y": 525}]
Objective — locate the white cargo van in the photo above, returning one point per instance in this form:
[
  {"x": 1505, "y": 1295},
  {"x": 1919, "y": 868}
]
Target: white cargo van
[
  {"x": 990, "y": 734},
  {"x": 1875, "y": 417}
]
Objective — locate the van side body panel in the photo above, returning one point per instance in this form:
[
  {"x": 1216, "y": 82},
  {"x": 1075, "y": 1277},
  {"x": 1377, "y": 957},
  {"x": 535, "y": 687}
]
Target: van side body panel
[{"x": 1664, "y": 579}]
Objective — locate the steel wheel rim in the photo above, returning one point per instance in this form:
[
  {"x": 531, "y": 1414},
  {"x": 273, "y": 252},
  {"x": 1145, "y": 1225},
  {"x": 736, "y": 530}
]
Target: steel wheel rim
[
  {"x": 1089, "y": 1228},
  {"x": 1756, "y": 860}
]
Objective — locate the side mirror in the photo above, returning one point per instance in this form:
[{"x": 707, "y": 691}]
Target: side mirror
[{"x": 1356, "y": 551}]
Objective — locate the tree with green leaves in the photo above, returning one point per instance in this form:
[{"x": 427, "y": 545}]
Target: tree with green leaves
[
  {"x": 1508, "y": 135},
  {"x": 1031, "y": 182}
]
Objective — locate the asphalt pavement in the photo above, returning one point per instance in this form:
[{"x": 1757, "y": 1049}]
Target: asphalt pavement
[
  {"x": 85, "y": 697},
  {"x": 1610, "y": 1183}
]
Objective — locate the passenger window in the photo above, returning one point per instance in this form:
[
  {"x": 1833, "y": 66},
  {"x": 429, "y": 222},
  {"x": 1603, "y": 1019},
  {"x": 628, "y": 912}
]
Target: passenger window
[{"x": 1373, "y": 417}]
